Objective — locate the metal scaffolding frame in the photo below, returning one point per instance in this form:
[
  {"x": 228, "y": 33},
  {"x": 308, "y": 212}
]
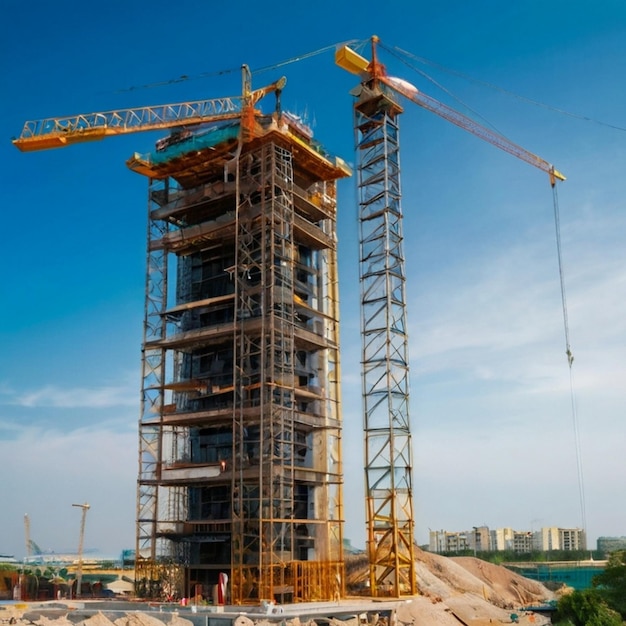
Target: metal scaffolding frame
[
  {"x": 152, "y": 400},
  {"x": 264, "y": 375},
  {"x": 385, "y": 362},
  {"x": 240, "y": 430}
]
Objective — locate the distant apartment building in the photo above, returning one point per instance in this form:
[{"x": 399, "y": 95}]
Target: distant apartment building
[
  {"x": 572, "y": 539},
  {"x": 606, "y": 545},
  {"x": 441, "y": 541},
  {"x": 546, "y": 539},
  {"x": 502, "y": 539},
  {"x": 482, "y": 539},
  {"x": 522, "y": 541},
  {"x": 565, "y": 539}
]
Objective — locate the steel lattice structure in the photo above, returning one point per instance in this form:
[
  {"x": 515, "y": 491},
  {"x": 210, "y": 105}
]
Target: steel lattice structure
[
  {"x": 240, "y": 431},
  {"x": 152, "y": 396},
  {"x": 388, "y": 454},
  {"x": 264, "y": 367}
]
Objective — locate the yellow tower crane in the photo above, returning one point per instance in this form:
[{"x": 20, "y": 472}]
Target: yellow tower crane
[
  {"x": 385, "y": 375},
  {"x": 58, "y": 132}
]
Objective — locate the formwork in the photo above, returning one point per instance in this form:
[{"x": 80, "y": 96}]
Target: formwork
[{"x": 240, "y": 468}]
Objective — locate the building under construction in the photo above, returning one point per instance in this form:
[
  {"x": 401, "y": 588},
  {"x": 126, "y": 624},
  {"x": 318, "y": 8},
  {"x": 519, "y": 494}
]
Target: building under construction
[{"x": 240, "y": 432}]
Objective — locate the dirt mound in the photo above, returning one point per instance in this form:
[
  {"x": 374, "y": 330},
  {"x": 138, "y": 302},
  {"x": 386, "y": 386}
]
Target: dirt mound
[
  {"x": 513, "y": 589},
  {"x": 467, "y": 574},
  {"x": 461, "y": 589}
]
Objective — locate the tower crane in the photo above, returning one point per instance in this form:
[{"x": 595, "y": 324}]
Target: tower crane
[
  {"x": 27, "y": 534},
  {"x": 58, "y": 132},
  {"x": 385, "y": 362},
  {"x": 31, "y": 546},
  {"x": 81, "y": 539}
]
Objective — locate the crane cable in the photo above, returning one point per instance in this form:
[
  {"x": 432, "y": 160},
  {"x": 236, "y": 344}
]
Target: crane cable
[
  {"x": 507, "y": 92},
  {"x": 570, "y": 362},
  {"x": 306, "y": 55},
  {"x": 358, "y": 43},
  {"x": 394, "y": 52}
]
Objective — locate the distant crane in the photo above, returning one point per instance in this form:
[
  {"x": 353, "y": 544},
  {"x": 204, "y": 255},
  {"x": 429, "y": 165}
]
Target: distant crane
[
  {"x": 27, "y": 534},
  {"x": 79, "y": 568},
  {"x": 31, "y": 547}
]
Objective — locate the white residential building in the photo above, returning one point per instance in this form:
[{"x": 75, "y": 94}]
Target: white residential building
[
  {"x": 443, "y": 541},
  {"x": 546, "y": 539},
  {"x": 481, "y": 539},
  {"x": 502, "y": 539}
]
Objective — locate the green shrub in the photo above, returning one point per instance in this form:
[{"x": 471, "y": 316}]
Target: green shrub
[{"x": 585, "y": 608}]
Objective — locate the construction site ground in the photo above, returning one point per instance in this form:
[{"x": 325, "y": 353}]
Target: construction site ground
[{"x": 452, "y": 591}]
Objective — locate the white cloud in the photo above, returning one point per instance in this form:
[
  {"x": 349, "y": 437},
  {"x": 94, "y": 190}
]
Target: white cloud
[
  {"x": 500, "y": 316},
  {"x": 76, "y": 397}
]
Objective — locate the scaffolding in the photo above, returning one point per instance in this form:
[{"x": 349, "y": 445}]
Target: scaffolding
[{"x": 240, "y": 430}]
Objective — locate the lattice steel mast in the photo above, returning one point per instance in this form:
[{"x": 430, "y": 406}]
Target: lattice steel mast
[{"x": 388, "y": 451}]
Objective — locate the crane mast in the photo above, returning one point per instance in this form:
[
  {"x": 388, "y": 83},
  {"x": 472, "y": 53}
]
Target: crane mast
[{"x": 385, "y": 359}]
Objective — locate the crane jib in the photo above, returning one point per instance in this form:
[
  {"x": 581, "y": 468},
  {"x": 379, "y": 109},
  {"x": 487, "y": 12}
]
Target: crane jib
[
  {"x": 462, "y": 121},
  {"x": 62, "y": 131}
]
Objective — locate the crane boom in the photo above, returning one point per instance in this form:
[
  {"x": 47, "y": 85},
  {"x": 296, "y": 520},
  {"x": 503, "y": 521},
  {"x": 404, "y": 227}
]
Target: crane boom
[
  {"x": 439, "y": 108},
  {"x": 356, "y": 64},
  {"x": 57, "y": 132}
]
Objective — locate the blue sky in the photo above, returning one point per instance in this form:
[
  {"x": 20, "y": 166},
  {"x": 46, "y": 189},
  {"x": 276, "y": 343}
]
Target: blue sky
[{"x": 490, "y": 389}]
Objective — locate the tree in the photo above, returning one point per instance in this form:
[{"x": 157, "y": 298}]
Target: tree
[
  {"x": 585, "y": 608},
  {"x": 611, "y": 583}
]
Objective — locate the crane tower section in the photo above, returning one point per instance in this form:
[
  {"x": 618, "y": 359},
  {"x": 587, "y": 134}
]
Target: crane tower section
[
  {"x": 385, "y": 375},
  {"x": 240, "y": 431}
]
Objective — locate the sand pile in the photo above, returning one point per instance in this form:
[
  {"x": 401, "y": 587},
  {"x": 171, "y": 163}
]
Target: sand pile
[{"x": 465, "y": 590}]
